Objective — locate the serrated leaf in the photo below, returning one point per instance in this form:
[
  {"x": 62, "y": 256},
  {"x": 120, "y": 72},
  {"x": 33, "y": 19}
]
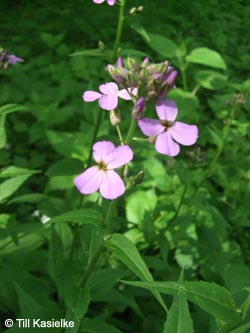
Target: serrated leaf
[
  {"x": 162, "y": 45},
  {"x": 127, "y": 252},
  {"x": 178, "y": 318},
  {"x": 210, "y": 297},
  {"x": 85, "y": 216},
  {"x": 207, "y": 57}
]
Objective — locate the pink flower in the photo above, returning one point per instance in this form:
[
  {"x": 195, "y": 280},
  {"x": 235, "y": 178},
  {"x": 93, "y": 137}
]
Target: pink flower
[
  {"x": 110, "y": 2},
  {"x": 12, "y": 59},
  {"x": 108, "y": 98},
  {"x": 168, "y": 132},
  {"x": 102, "y": 176}
]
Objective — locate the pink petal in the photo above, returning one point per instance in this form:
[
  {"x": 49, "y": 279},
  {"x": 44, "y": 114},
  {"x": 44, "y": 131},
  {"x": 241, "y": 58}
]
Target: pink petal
[
  {"x": 111, "y": 2},
  {"x": 98, "y": 1},
  {"x": 108, "y": 102},
  {"x": 90, "y": 180},
  {"x": 126, "y": 93},
  {"x": 101, "y": 149},
  {"x": 164, "y": 144},
  {"x": 150, "y": 127},
  {"x": 109, "y": 88},
  {"x": 166, "y": 109},
  {"x": 183, "y": 133},
  {"x": 120, "y": 156},
  {"x": 112, "y": 185},
  {"x": 90, "y": 96}
]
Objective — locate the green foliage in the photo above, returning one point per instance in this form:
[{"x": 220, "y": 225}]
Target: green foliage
[{"x": 59, "y": 258}]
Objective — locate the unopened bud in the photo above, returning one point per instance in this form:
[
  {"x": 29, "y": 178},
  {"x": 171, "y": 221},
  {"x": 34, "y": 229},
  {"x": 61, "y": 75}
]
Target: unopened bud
[
  {"x": 138, "y": 111},
  {"x": 120, "y": 62},
  {"x": 139, "y": 177},
  {"x": 115, "y": 117},
  {"x": 101, "y": 45},
  {"x": 171, "y": 77}
]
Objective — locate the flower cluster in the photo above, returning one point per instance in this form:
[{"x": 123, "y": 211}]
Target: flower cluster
[
  {"x": 7, "y": 59},
  {"x": 141, "y": 83},
  {"x": 153, "y": 80},
  {"x": 109, "y": 2}
]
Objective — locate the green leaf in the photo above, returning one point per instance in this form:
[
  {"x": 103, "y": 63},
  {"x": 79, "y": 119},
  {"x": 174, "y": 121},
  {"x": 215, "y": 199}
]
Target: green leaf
[
  {"x": 241, "y": 329},
  {"x": 211, "y": 80},
  {"x": 136, "y": 26},
  {"x": 51, "y": 40},
  {"x": 91, "y": 235},
  {"x": 132, "y": 53},
  {"x": 85, "y": 216},
  {"x": 88, "y": 53},
  {"x": 162, "y": 45},
  {"x": 126, "y": 251},
  {"x": 29, "y": 307},
  {"x": 10, "y": 186},
  {"x": 207, "y": 57},
  {"x": 210, "y": 297},
  {"x": 69, "y": 144},
  {"x": 178, "y": 318},
  {"x": 9, "y": 108},
  {"x": 96, "y": 326},
  {"x": 13, "y": 171},
  {"x": 2, "y": 131},
  {"x": 67, "y": 166}
]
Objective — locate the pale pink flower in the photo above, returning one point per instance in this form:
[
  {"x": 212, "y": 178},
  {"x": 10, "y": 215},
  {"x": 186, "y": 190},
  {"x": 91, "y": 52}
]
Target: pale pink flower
[
  {"x": 168, "y": 132},
  {"x": 108, "y": 98},
  {"x": 102, "y": 176},
  {"x": 109, "y": 2}
]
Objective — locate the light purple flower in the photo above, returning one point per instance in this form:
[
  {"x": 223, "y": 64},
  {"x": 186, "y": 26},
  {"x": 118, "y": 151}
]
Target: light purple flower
[
  {"x": 110, "y": 2},
  {"x": 102, "y": 176},
  {"x": 168, "y": 132},
  {"x": 12, "y": 59},
  {"x": 108, "y": 98}
]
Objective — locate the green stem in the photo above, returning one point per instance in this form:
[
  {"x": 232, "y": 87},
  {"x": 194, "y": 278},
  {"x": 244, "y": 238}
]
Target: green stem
[
  {"x": 131, "y": 131},
  {"x": 184, "y": 78},
  {"x": 119, "y": 134},
  {"x": 119, "y": 30},
  {"x": 97, "y": 126}
]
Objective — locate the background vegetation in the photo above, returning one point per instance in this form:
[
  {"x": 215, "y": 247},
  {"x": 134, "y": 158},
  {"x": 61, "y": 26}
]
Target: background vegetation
[{"x": 189, "y": 215}]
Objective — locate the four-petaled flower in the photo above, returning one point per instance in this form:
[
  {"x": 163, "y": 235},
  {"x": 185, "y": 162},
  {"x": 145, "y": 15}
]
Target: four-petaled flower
[
  {"x": 168, "y": 132},
  {"x": 102, "y": 176},
  {"x": 110, "y": 2},
  {"x": 108, "y": 98},
  {"x": 12, "y": 59}
]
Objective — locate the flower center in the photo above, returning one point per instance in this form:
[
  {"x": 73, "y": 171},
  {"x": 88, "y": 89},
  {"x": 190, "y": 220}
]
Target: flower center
[
  {"x": 167, "y": 123},
  {"x": 102, "y": 165}
]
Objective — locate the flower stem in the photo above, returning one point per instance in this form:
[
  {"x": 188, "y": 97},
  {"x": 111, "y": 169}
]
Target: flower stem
[
  {"x": 97, "y": 126},
  {"x": 131, "y": 131},
  {"x": 119, "y": 134},
  {"x": 119, "y": 30}
]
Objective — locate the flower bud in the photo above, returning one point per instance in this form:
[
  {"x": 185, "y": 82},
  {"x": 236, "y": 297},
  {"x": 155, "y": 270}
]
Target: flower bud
[
  {"x": 138, "y": 111},
  {"x": 115, "y": 117},
  {"x": 171, "y": 77},
  {"x": 139, "y": 177},
  {"x": 120, "y": 62}
]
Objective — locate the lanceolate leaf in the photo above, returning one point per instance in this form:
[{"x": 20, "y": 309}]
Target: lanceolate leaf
[
  {"x": 85, "y": 216},
  {"x": 210, "y": 297},
  {"x": 178, "y": 318},
  {"x": 9, "y": 108},
  {"x": 127, "y": 252}
]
